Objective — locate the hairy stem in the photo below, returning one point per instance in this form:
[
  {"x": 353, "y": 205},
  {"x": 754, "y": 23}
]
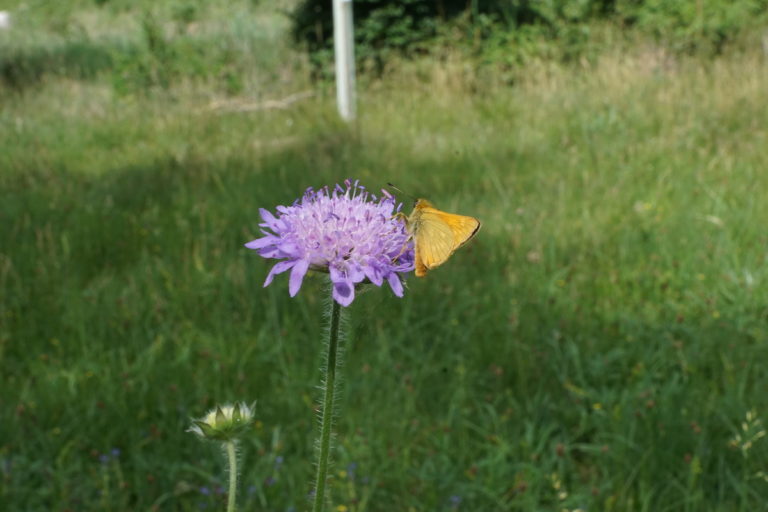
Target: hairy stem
[
  {"x": 232, "y": 457},
  {"x": 326, "y": 421}
]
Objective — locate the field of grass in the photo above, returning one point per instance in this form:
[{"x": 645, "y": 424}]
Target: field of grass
[{"x": 600, "y": 345}]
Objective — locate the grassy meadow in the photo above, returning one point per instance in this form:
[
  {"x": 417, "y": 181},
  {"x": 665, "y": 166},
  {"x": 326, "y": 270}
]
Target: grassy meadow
[{"x": 600, "y": 346}]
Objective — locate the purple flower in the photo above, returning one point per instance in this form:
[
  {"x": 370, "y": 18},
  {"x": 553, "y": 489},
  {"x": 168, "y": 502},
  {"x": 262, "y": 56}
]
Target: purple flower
[{"x": 346, "y": 232}]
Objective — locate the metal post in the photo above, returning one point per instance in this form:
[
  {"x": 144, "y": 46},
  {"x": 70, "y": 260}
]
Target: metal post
[{"x": 344, "y": 52}]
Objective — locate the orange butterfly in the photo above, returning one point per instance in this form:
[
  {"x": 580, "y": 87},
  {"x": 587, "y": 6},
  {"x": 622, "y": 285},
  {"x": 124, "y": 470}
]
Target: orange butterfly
[{"x": 436, "y": 234}]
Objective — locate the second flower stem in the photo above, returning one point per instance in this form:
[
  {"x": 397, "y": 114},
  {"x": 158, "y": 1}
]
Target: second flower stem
[
  {"x": 232, "y": 457},
  {"x": 326, "y": 422}
]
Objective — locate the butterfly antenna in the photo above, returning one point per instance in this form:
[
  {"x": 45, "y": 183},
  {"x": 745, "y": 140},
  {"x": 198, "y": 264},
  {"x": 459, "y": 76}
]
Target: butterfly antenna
[{"x": 392, "y": 186}]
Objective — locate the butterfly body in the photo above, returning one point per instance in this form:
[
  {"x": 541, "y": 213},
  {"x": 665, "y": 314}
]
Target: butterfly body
[{"x": 437, "y": 234}]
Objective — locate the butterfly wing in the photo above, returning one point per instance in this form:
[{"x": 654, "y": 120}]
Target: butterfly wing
[
  {"x": 463, "y": 227},
  {"x": 438, "y": 234},
  {"x": 434, "y": 242}
]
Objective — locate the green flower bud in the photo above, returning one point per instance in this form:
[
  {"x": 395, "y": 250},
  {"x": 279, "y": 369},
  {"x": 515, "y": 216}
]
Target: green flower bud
[{"x": 224, "y": 423}]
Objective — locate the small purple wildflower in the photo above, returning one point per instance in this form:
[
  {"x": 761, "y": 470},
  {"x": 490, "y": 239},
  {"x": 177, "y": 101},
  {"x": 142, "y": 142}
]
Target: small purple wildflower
[
  {"x": 346, "y": 232},
  {"x": 455, "y": 500},
  {"x": 205, "y": 490}
]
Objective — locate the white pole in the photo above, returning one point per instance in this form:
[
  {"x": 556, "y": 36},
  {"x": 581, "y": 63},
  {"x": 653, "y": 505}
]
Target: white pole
[
  {"x": 344, "y": 52},
  {"x": 5, "y": 19}
]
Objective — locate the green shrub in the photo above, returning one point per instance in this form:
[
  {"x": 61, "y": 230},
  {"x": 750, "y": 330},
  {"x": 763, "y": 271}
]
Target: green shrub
[
  {"x": 408, "y": 27},
  {"x": 688, "y": 25},
  {"x": 383, "y": 27}
]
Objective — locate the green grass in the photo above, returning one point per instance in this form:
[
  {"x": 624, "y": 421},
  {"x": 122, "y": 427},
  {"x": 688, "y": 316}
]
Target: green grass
[{"x": 596, "y": 347}]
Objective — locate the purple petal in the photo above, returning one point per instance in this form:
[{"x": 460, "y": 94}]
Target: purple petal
[
  {"x": 272, "y": 252},
  {"x": 343, "y": 292},
  {"x": 269, "y": 219},
  {"x": 394, "y": 282},
  {"x": 279, "y": 268},
  {"x": 291, "y": 249},
  {"x": 355, "y": 273},
  {"x": 260, "y": 243},
  {"x": 373, "y": 275},
  {"x": 298, "y": 272},
  {"x": 337, "y": 275}
]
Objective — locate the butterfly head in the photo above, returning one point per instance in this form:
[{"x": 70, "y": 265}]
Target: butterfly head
[{"x": 422, "y": 203}]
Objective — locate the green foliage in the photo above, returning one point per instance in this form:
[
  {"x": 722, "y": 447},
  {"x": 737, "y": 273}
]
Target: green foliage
[
  {"x": 695, "y": 24},
  {"x": 152, "y": 47},
  {"x": 599, "y": 345},
  {"x": 27, "y": 66},
  {"x": 514, "y": 31},
  {"x": 381, "y": 28}
]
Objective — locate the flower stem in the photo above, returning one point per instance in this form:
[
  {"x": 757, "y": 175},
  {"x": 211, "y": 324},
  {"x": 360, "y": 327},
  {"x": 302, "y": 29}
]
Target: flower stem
[
  {"x": 232, "y": 457},
  {"x": 327, "y": 413}
]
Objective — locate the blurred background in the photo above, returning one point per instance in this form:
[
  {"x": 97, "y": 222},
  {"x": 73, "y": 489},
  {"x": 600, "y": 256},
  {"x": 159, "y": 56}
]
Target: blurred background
[{"x": 600, "y": 345}]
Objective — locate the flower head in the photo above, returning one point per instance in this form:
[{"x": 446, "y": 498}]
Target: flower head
[
  {"x": 346, "y": 232},
  {"x": 224, "y": 423}
]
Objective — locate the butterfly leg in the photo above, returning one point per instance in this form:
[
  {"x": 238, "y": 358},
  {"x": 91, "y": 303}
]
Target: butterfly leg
[
  {"x": 401, "y": 217},
  {"x": 404, "y": 219},
  {"x": 405, "y": 248}
]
